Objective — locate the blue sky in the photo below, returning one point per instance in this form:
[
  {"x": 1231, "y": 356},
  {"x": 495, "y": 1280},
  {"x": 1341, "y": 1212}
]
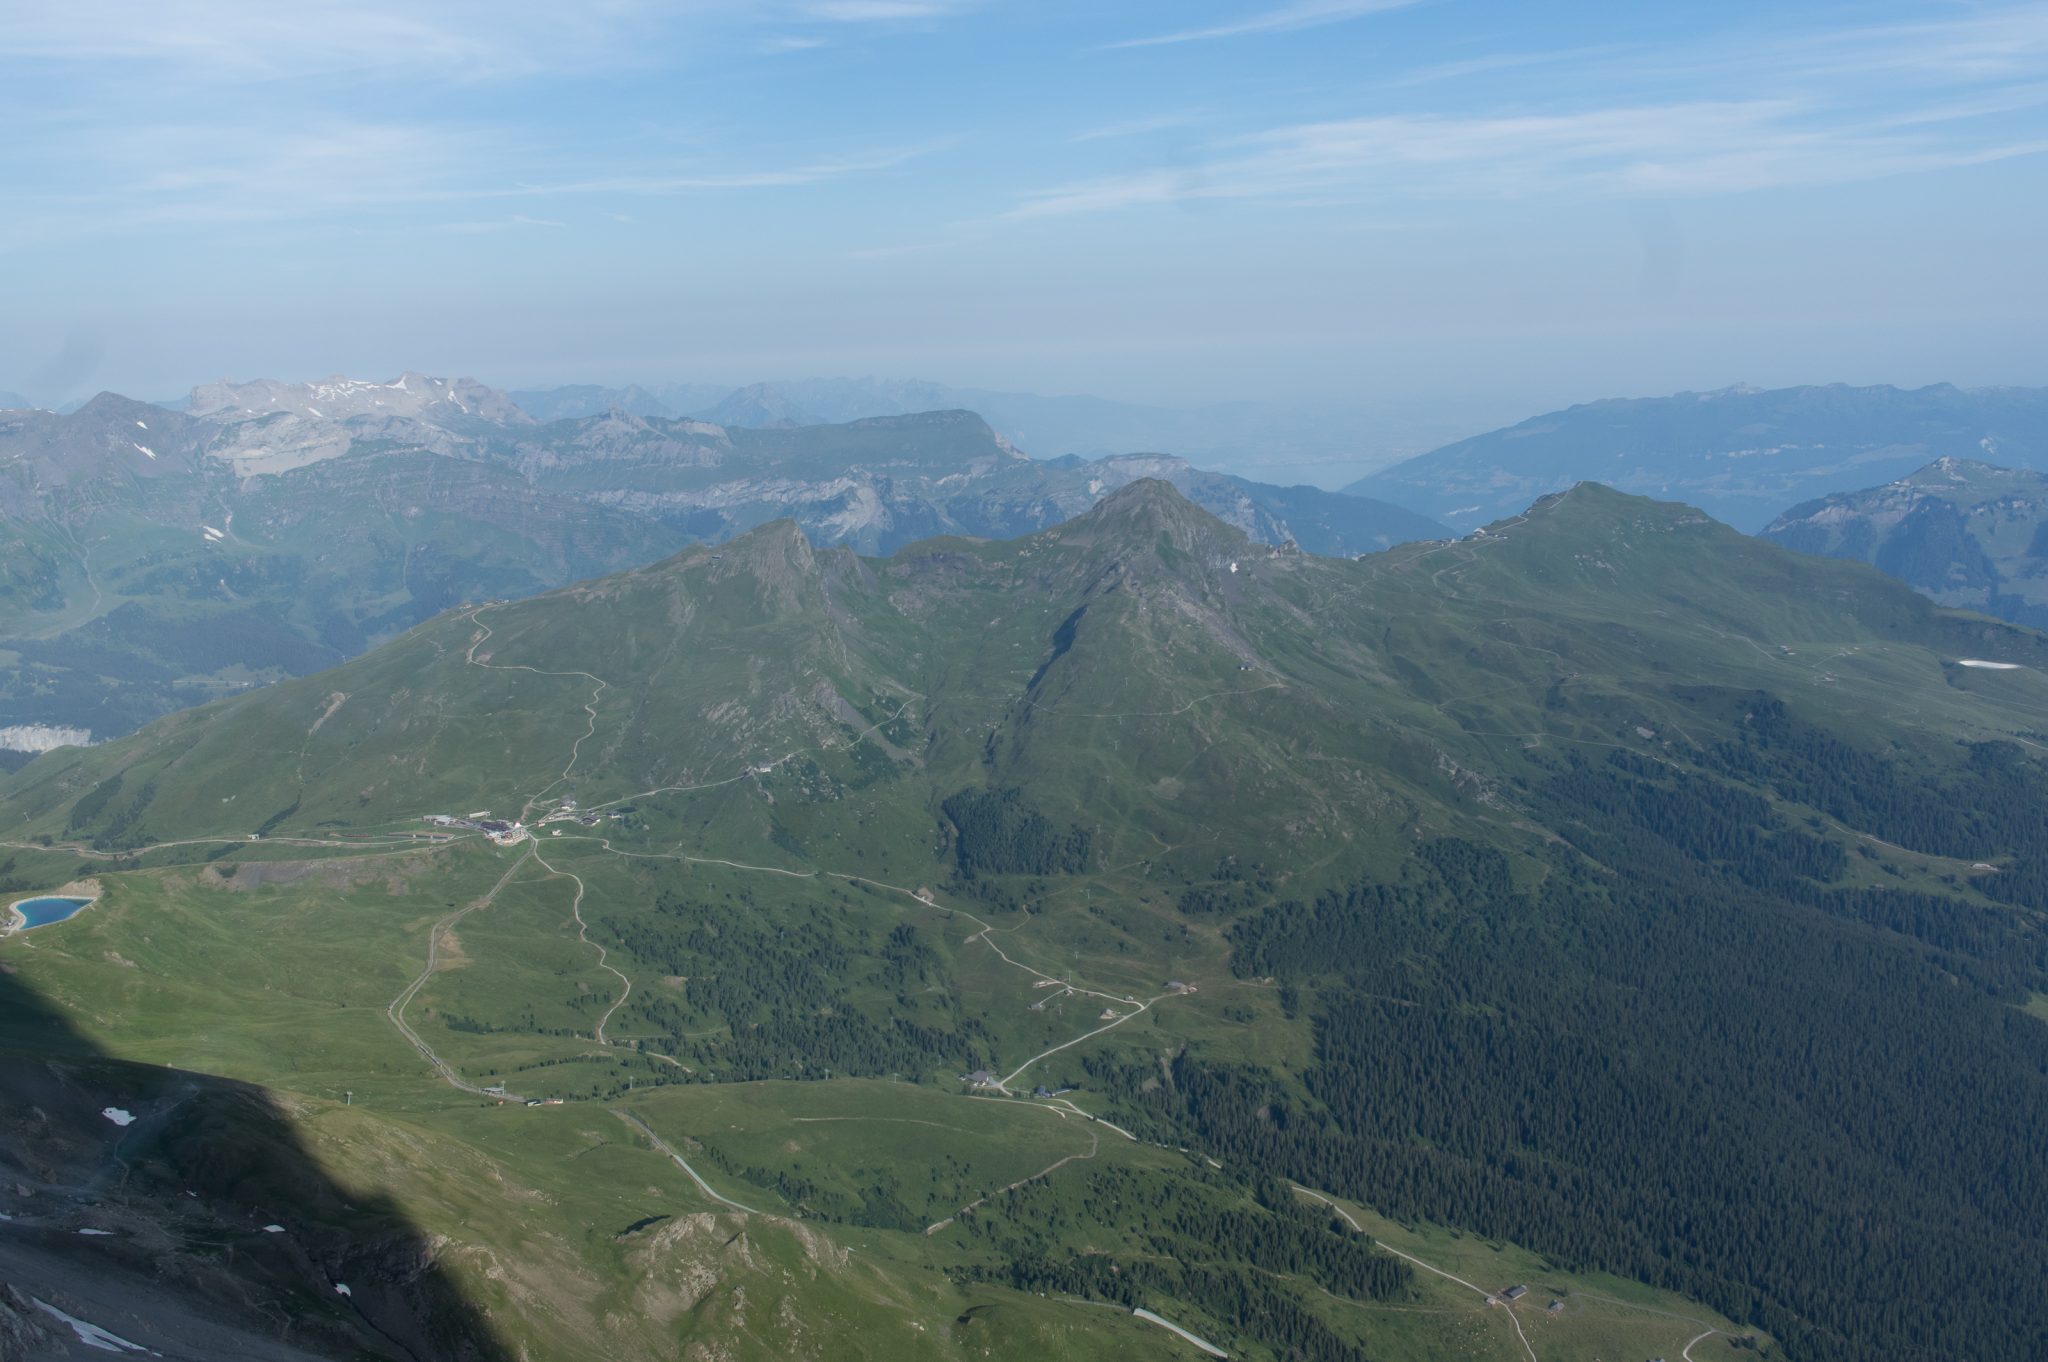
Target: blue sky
[{"x": 1440, "y": 207}]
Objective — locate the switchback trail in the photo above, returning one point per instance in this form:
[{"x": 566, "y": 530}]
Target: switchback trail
[
  {"x": 598, "y": 685},
  {"x": 583, "y": 935},
  {"x": 603, "y": 963}
]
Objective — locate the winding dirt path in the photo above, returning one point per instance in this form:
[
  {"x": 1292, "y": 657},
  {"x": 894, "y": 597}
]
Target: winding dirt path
[
  {"x": 396, "y": 1009},
  {"x": 663, "y": 1145},
  {"x": 598, "y": 686},
  {"x": 1094, "y": 1144},
  {"x": 1426, "y": 1267},
  {"x": 583, "y": 935}
]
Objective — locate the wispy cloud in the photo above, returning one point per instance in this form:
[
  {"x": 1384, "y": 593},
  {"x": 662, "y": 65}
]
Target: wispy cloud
[
  {"x": 770, "y": 177},
  {"x": 1301, "y": 14},
  {"x": 1690, "y": 149},
  {"x": 1495, "y": 62},
  {"x": 1137, "y": 127},
  {"x": 1868, "y": 102},
  {"x": 880, "y": 11},
  {"x": 504, "y": 224},
  {"x": 236, "y": 41},
  {"x": 203, "y": 173}
]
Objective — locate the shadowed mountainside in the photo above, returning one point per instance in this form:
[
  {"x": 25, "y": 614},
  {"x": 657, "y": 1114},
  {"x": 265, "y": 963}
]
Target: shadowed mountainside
[{"x": 154, "y": 1228}]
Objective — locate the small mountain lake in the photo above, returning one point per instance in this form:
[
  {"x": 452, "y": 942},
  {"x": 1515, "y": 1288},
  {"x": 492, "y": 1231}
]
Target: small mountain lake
[{"x": 42, "y": 912}]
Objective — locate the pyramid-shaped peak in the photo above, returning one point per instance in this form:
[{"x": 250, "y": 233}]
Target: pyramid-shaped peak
[
  {"x": 1146, "y": 497},
  {"x": 114, "y": 406},
  {"x": 1147, "y": 512}
]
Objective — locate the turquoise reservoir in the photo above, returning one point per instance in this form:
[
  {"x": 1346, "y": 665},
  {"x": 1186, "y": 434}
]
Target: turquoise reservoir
[{"x": 42, "y": 912}]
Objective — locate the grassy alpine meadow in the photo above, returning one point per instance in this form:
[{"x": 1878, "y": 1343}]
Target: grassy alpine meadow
[
  {"x": 1001, "y": 933},
  {"x": 279, "y": 971}
]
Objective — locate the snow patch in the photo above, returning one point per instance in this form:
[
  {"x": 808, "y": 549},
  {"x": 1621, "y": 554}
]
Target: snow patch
[
  {"x": 118, "y": 1115},
  {"x": 213, "y": 536},
  {"x": 145, "y": 449},
  {"x": 91, "y": 1335},
  {"x": 341, "y": 1289},
  {"x": 273, "y": 1229},
  {"x": 102, "y": 1233},
  {"x": 1988, "y": 666},
  {"x": 42, "y": 737},
  {"x": 142, "y": 425}
]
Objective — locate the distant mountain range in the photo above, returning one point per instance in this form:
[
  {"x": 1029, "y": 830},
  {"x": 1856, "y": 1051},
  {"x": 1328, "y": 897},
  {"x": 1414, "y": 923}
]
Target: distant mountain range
[
  {"x": 1741, "y": 454},
  {"x": 1966, "y": 533},
  {"x": 152, "y": 559},
  {"x": 1281, "y": 440}
]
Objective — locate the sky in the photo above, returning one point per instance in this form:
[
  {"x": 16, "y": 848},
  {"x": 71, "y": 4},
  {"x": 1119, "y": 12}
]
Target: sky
[{"x": 1449, "y": 209}]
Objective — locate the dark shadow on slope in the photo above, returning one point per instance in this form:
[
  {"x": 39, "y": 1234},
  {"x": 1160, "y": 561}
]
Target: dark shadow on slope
[
  {"x": 155, "y": 1229},
  {"x": 1062, "y": 642}
]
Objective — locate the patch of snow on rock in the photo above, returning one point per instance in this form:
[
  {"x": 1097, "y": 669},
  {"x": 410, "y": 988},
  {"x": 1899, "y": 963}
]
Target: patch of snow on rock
[
  {"x": 91, "y": 1335},
  {"x": 42, "y": 737},
  {"x": 118, "y": 1115}
]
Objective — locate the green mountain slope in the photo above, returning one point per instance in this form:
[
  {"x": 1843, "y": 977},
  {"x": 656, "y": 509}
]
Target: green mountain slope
[
  {"x": 151, "y": 560},
  {"x": 1967, "y": 533},
  {"x": 1610, "y": 883},
  {"x": 1740, "y": 453}
]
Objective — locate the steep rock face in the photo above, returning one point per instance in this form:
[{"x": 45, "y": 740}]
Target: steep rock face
[
  {"x": 111, "y": 448},
  {"x": 22, "y": 1331},
  {"x": 340, "y": 398},
  {"x": 1739, "y": 453},
  {"x": 1965, "y": 532},
  {"x": 271, "y": 427}
]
